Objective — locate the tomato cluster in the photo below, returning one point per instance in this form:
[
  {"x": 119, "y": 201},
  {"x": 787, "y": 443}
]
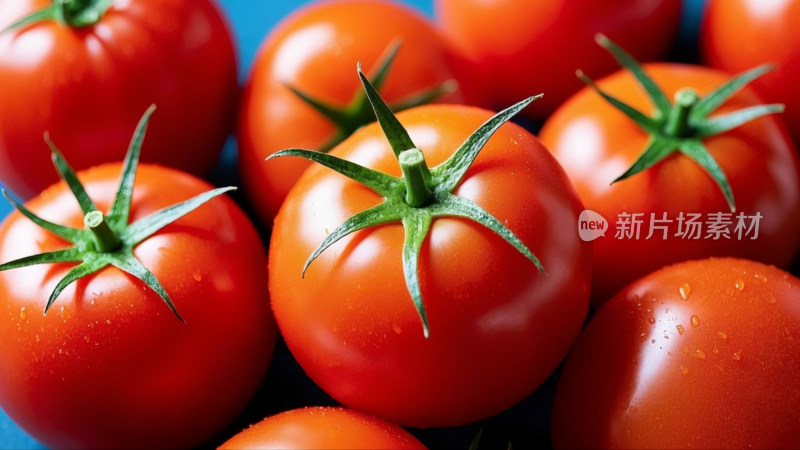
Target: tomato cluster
[{"x": 410, "y": 265}]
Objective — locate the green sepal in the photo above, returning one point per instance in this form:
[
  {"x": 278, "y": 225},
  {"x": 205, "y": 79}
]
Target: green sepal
[
  {"x": 358, "y": 112},
  {"x": 117, "y": 237},
  {"x": 682, "y": 126},
  {"x": 75, "y": 13},
  {"x": 396, "y": 207}
]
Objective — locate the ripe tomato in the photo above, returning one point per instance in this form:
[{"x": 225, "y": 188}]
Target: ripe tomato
[
  {"x": 739, "y": 34},
  {"x": 86, "y": 85},
  {"x": 596, "y": 143},
  {"x": 702, "y": 354},
  {"x": 323, "y": 428},
  {"x": 516, "y": 48},
  {"x": 110, "y": 366},
  {"x": 316, "y": 50},
  {"x": 498, "y": 327}
]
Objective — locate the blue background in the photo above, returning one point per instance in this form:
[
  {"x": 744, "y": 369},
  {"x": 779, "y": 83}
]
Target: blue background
[{"x": 251, "y": 20}]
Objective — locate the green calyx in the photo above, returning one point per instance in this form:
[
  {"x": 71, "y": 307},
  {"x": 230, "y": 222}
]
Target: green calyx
[
  {"x": 420, "y": 196},
  {"x": 75, "y": 13},
  {"x": 682, "y": 125},
  {"x": 358, "y": 112},
  {"x": 107, "y": 239}
]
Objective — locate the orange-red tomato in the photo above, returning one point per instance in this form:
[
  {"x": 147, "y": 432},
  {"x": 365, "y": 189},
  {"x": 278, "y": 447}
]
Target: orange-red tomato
[
  {"x": 702, "y": 354},
  {"x": 87, "y": 85},
  {"x": 323, "y": 428},
  {"x": 595, "y": 143},
  {"x": 498, "y": 327},
  {"x": 517, "y": 48},
  {"x": 110, "y": 366},
  {"x": 316, "y": 50},
  {"x": 739, "y": 34}
]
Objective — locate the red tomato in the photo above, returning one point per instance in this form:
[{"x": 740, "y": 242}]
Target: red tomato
[
  {"x": 316, "y": 51},
  {"x": 87, "y": 85},
  {"x": 498, "y": 327},
  {"x": 323, "y": 428},
  {"x": 110, "y": 366},
  {"x": 702, "y": 354},
  {"x": 517, "y": 48},
  {"x": 595, "y": 143},
  {"x": 739, "y": 34}
]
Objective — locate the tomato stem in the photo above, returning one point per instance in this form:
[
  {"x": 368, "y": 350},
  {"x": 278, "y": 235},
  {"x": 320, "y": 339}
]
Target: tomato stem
[
  {"x": 678, "y": 125},
  {"x": 104, "y": 237},
  {"x": 417, "y": 177}
]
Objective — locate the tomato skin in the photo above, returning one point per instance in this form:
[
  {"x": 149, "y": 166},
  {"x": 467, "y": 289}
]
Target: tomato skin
[
  {"x": 323, "y": 428},
  {"x": 739, "y": 34},
  {"x": 596, "y": 143},
  {"x": 518, "y": 48},
  {"x": 86, "y": 86},
  {"x": 717, "y": 370},
  {"x": 316, "y": 50},
  {"x": 110, "y": 366},
  {"x": 350, "y": 322}
]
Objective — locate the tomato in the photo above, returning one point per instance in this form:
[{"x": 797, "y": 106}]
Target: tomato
[
  {"x": 86, "y": 85},
  {"x": 516, "y": 48},
  {"x": 702, "y": 354},
  {"x": 596, "y": 143},
  {"x": 739, "y": 34},
  {"x": 110, "y": 366},
  {"x": 497, "y": 326},
  {"x": 323, "y": 428},
  {"x": 316, "y": 50}
]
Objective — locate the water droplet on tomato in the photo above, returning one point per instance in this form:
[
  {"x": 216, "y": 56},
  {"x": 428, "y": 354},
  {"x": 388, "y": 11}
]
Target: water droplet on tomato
[
  {"x": 680, "y": 329},
  {"x": 685, "y": 290},
  {"x": 23, "y": 313},
  {"x": 739, "y": 285},
  {"x": 396, "y": 328},
  {"x": 197, "y": 277},
  {"x": 64, "y": 314},
  {"x": 772, "y": 300},
  {"x": 695, "y": 321},
  {"x": 699, "y": 354},
  {"x": 684, "y": 370},
  {"x": 723, "y": 335},
  {"x": 737, "y": 356},
  {"x": 652, "y": 320},
  {"x": 108, "y": 321}
]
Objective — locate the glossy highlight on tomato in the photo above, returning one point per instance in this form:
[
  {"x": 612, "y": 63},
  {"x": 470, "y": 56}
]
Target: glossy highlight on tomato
[
  {"x": 323, "y": 428},
  {"x": 86, "y": 85},
  {"x": 515, "y": 48},
  {"x": 702, "y": 354},
  {"x": 596, "y": 143},
  {"x": 350, "y": 321},
  {"x": 110, "y": 366},
  {"x": 316, "y": 50}
]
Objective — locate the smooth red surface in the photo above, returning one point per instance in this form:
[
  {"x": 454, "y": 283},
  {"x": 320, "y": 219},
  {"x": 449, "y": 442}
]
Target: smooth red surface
[
  {"x": 316, "y": 49},
  {"x": 517, "y": 48},
  {"x": 702, "y": 354},
  {"x": 110, "y": 366},
  {"x": 87, "y": 86},
  {"x": 739, "y": 34},
  {"x": 323, "y": 428},
  {"x": 498, "y": 327},
  {"x": 596, "y": 143}
]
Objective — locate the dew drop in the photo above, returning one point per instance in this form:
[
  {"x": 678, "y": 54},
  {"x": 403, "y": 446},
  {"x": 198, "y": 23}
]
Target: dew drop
[
  {"x": 695, "y": 321},
  {"x": 396, "y": 328},
  {"x": 652, "y": 320},
  {"x": 680, "y": 329},
  {"x": 197, "y": 277},
  {"x": 37, "y": 338},
  {"x": 699, "y": 354},
  {"x": 737, "y": 356},
  {"x": 772, "y": 300},
  {"x": 685, "y": 290},
  {"x": 23, "y": 313},
  {"x": 723, "y": 335},
  {"x": 64, "y": 314},
  {"x": 108, "y": 321},
  {"x": 739, "y": 285},
  {"x": 86, "y": 338},
  {"x": 684, "y": 370}
]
